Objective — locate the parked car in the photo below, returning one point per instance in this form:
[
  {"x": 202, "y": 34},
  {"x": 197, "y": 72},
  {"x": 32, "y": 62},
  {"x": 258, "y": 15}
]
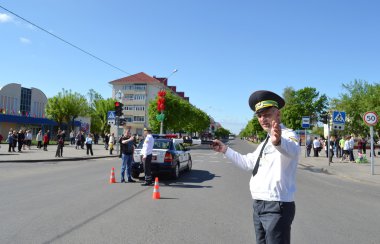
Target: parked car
[
  {"x": 196, "y": 141},
  {"x": 169, "y": 156}
]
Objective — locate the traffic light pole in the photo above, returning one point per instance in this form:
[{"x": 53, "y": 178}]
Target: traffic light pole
[{"x": 117, "y": 134}]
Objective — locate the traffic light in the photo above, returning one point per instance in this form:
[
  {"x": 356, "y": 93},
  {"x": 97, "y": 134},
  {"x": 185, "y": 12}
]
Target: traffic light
[
  {"x": 324, "y": 118},
  {"x": 118, "y": 109}
]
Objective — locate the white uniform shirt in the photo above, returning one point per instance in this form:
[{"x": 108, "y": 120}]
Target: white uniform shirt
[
  {"x": 276, "y": 176},
  {"x": 147, "y": 146},
  {"x": 352, "y": 143}
]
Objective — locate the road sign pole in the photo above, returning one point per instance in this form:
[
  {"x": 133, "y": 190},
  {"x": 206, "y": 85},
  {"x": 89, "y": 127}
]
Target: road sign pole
[
  {"x": 371, "y": 119},
  {"x": 328, "y": 142},
  {"x": 372, "y": 151},
  {"x": 305, "y": 144},
  {"x": 117, "y": 134}
]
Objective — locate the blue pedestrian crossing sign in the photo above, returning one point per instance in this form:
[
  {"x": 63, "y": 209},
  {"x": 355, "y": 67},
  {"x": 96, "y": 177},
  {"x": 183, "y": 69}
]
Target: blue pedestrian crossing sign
[
  {"x": 339, "y": 117},
  {"x": 111, "y": 115}
]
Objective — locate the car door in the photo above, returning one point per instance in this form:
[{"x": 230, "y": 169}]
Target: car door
[{"x": 184, "y": 155}]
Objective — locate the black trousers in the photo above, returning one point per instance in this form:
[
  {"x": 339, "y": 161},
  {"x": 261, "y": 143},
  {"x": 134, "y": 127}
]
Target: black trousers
[
  {"x": 147, "y": 170},
  {"x": 273, "y": 221},
  {"x": 59, "y": 151},
  {"x": 89, "y": 149}
]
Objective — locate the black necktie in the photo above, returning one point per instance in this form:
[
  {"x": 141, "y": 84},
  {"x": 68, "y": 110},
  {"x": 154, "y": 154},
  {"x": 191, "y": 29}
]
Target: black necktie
[{"x": 254, "y": 172}]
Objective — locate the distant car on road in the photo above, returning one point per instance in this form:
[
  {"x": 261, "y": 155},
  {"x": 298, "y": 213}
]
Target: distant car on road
[
  {"x": 196, "y": 141},
  {"x": 169, "y": 156}
]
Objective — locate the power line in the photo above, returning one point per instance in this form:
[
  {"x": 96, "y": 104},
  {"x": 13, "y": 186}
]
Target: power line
[{"x": 67, "y": 42}]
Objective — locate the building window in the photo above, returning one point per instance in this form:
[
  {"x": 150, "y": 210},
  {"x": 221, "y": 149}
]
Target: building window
[
  {"x": 129, "y": 108},
  {"x": 129, "y": 97},
  {"x": 129, "y": 118},
  {"x": 140, "y": 87},
  {"x": 135, "y": 87},
  {"x": 139, "y": 97},
  {"x": 138, "y": 118},
  {"x": 26, "y": 100},
  {"x": 140, "y": 108}
]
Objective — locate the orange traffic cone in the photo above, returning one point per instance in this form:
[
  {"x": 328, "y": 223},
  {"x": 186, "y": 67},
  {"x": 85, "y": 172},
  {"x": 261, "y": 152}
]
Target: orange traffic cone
[
  {"x": 156, "y": 190},
  {"x": 112, "y": 177}
]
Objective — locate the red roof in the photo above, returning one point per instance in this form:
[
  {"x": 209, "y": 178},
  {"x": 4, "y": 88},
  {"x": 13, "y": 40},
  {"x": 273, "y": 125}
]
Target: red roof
[{"x": 139, "y": 77}]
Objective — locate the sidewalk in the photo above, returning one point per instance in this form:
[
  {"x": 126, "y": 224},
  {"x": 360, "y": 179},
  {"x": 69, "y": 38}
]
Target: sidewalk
[
  {"x": 39, "y": 155},
  {"x": 349, "y": 170}
]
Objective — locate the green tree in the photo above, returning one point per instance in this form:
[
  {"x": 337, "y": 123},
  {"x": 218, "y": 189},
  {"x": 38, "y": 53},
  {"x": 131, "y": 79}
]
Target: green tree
[
  {"x": 357, "y": 98},
  {"x": 303, "y": 102},
  {"x": 179, "y": 115},
  {"x": 99, "y": 108},
  {"x": 66, "y": 107},
  {"x": 253, "y": 128},
  {"x": 222, "y": 133}
]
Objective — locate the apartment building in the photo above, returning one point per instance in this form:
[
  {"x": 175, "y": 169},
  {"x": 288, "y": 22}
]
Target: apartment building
[{"x": 135, "y": 92}]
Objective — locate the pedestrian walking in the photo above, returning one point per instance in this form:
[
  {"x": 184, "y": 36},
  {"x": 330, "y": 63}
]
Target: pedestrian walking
[
  {"x": 89, "y": 142},
  {"x": 146, "y": 156},
  {"x": 274, "y": 166}
]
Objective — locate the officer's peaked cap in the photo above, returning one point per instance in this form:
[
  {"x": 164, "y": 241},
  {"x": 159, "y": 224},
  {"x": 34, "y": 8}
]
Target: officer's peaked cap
[{"x": 262, "y": 99}]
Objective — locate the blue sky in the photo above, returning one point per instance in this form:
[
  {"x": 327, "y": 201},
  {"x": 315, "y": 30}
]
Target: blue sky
[{"x": 223, "y": 50}]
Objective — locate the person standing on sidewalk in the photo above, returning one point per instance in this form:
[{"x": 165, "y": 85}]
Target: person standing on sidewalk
[
  {"x": 89, "y": 143},
  {"x": 127, "y": 148},
  {"x": 274, "y": 166},
  {"x": 351, "y": 150},
  {"x": 59, "y": 152},
  {"x": 316, "y": 146},
  {"x": 10, "y": 142},
  {"x": 111, "y": 142},
  {"x": 146, "y": 156},
  {"x": 39, "y": 139},
  {"x": 46, "y": 141}
]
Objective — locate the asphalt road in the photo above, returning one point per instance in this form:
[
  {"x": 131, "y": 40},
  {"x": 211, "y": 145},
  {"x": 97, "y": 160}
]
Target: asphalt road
[{"x": 72, "y": 202}]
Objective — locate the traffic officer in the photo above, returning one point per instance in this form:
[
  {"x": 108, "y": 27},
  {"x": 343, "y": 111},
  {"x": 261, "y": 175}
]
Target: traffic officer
[
  {"x": 146, "y": 155},
  {"x": 273, "y": 165}
]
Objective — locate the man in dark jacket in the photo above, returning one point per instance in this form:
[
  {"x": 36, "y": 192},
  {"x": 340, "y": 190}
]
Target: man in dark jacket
[{"x": 127, "y": 149}]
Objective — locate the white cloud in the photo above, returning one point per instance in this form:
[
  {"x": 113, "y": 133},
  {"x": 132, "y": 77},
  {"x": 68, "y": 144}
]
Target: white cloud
[
  {"x": 25, "y": 40},
  {"x": 5, "y": 18}
]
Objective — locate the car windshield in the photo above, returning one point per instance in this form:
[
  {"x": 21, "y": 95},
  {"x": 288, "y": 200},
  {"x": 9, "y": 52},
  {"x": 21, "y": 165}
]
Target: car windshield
[{"x": 158, "y": 144}]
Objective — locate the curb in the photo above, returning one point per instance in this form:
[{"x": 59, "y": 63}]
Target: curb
[{"x": 57, "y": 159}]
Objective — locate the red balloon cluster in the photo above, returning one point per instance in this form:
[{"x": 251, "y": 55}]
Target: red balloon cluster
[{"x": 161, "y": 101}]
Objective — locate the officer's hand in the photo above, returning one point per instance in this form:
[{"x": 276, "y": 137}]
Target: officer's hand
[
  {"x": 275, "y": 134},
  {"x": 218, "y": 146}
]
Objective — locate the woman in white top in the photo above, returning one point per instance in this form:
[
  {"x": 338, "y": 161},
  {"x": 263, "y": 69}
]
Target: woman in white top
[{"x": 111, "y": 142}]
